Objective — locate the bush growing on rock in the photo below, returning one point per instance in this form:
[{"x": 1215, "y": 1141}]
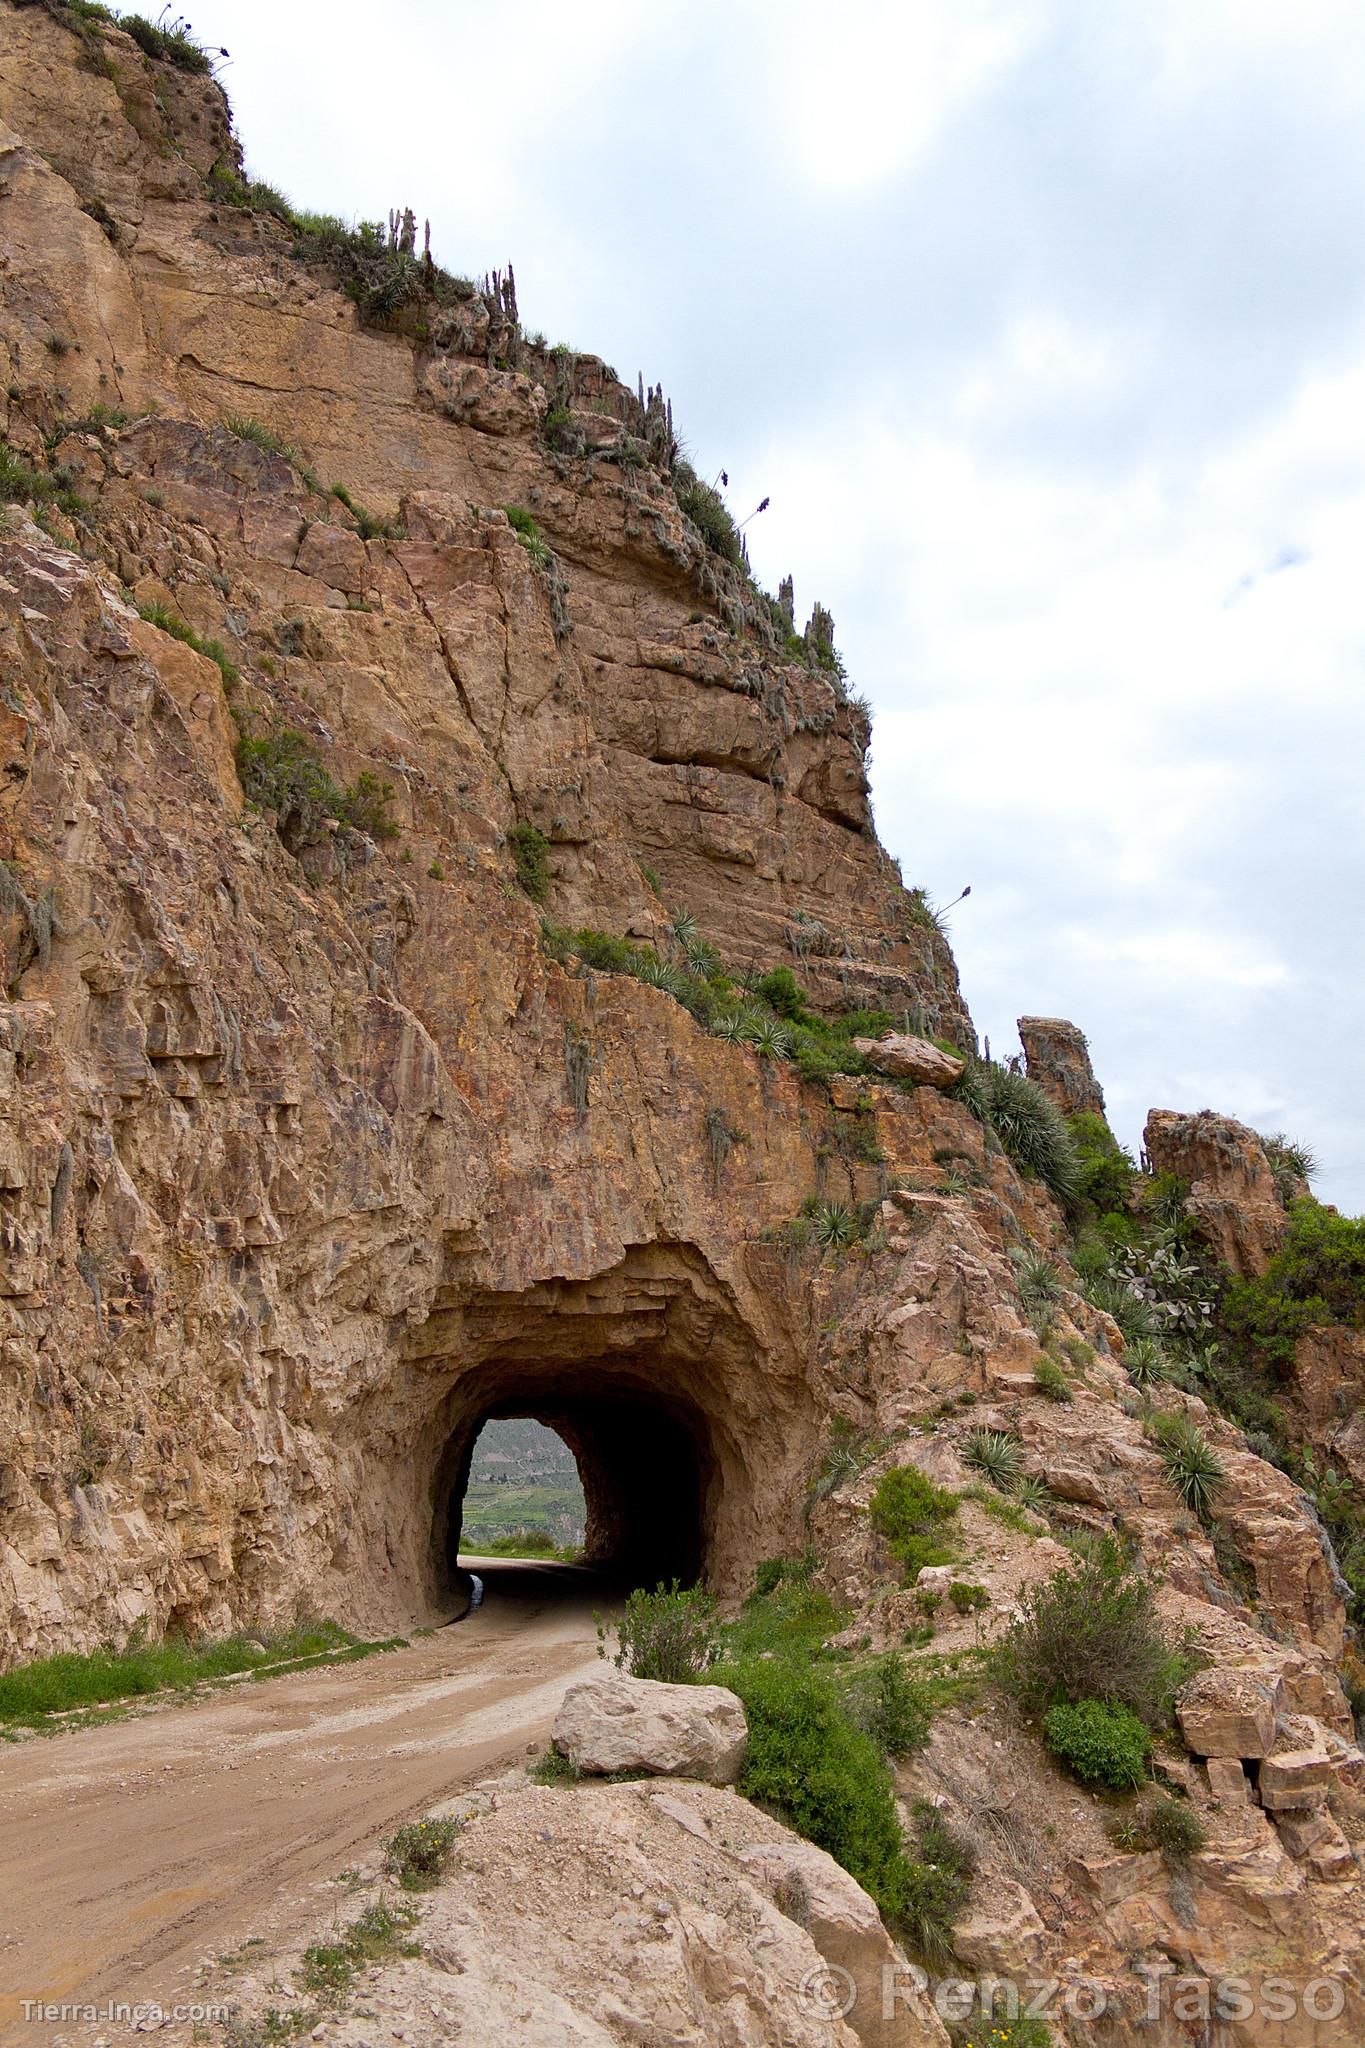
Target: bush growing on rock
[
  {"x": 886, "y": 1702},
  {"x": 1100, "y": 1742},
  {"x": 909, "y": 1512},
  {"x": 1105, "y": 1171},
  {"x": 1317, "y": 1276},
  {"x": 996, "y": 1455},
  {"x": 418, "y": 1853},
  {"x": 1091, "y": 1632},
  {"x": 668, "y": 1634},
  {"x": 1028, "y": 1124}
]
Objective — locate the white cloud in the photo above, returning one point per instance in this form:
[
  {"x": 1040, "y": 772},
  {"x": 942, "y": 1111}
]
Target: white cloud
[{"x": 869, "y": 93}]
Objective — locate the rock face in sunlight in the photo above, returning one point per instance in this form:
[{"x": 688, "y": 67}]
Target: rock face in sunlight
[{"x": 450, "y": 974}]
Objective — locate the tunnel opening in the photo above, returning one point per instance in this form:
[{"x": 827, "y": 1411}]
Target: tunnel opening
[
  {"x": 692, "y": 1438},
  {"x": 644, "y": 1463}
]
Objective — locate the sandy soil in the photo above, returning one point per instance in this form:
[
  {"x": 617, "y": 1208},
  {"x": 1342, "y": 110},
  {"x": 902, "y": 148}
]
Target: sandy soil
[{"x": 130, "y": 1852}]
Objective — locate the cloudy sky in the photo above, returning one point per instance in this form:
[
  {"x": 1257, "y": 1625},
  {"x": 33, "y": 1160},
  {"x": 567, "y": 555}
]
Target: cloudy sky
[{"x": 1043, "y": 326}]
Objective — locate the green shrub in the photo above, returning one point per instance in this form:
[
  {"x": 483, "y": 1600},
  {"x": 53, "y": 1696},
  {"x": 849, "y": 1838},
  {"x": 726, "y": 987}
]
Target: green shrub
[
  {"x": 968, "y": 1598},
  {"x": 826, "y": 1777},
  {"x": 22, "y": 484},
  {"x": 1317, "y": 1276},
  {"x": 1106, "y": 1172},
  {"x": 380, "y": 1934},
  {"x": 1100, "y": 1742},
  {"x": 417, "y": 1854},
  {"x": 834, "y": 1225},
  {"x": 259, "y": 435},
  {"x": 523, "y": 524},
  {"x": 1137, "y": 1318},
  {"x": 552, "y": 1767},
  {"x": 1027, "y": 1122},
  {"x": 1145, "y": 1362},
  {"x": 1292, "y": 1164},
  {"x": 937, "y": 1886},
  {"x": 1038, "y": 1278},
  {"x": 995, "y": 1455},
  {"x": 708, "y": 512},
  {"x": 792, "y": 1619},
  {"x": 227, "y": 187},
  {"x": 1174, "y": 1827},
  {"x": 167, "y": 621},
  {"x": 772, "y": 1572},
  {"x": 890, "y": 1706},
  {"x": 529, "y": 848},
  {"x": 909, "y": 1512},
  {"x": 371, "y": 526},
  {"x": 667, "y": 1634},
  {"x": 171, "y": 44},
  {"x": 782, "y": 992},
  {"x": 279, "y": 772},
  {"x": 1051, "y": 1381},
  {"x": 1091, "y": 1631}
]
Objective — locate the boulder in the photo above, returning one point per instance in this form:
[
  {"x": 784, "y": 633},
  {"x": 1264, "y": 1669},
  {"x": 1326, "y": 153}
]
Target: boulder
[
  {"x": 911, "y": 1059},
  {"x": 843, "y": 1922},
  {"x": 1226, "y": 1713},
  {"x": 1002, "y": 1933},
  {"x": 1057, "y": 1058},
  {"x": 1233, "y": 1201},
  {"x": 1295, "y": 1780},
  {"x": 614, "y": 1723}
]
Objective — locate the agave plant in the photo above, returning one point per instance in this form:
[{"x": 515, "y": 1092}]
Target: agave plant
[
  {"x": 1038, "y": 1277},
  {"x": 1032, "y": 1493},
  {"x": 769, "y": 1039},
  {"x": 685, "y": 929},
  {"x": 733, "y": 1027},
  {"x": 834, "y": 1225},
  {"x": 655, "y": 973},
  {"x": 701, "y": 957},
  {"x": 996, "y": 1455},
  {"x": 1193, "y": 1466},
  {"x": 1146, "y": 1362},
  {"x": 1134, "y": 1314}
]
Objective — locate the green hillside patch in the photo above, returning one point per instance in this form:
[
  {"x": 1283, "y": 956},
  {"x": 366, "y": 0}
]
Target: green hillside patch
[{"x": 32, "y": 1694}]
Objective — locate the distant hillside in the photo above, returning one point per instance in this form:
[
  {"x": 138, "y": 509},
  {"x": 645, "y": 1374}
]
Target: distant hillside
[{"x": 523, "y": 1476}]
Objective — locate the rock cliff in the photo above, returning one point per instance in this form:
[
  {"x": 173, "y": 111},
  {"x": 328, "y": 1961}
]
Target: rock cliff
[{"x": 405, "y": 796}]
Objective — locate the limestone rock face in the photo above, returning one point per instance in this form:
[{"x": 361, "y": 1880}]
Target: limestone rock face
[
  {"x": 310, "y": 1146},
  {"x": 1225, "y": 1713},
  {"x": 847, "y": 1929},
  {"x": 617, "y": 1723},
  {"x": 1233, "y": 1199},
  {"x": 912, "y": 1059},
  {"x": 1057, "y": 1057}
]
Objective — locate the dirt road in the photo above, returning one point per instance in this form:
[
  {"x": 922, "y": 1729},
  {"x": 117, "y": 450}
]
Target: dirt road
[{"x": 131, "y": 1851}]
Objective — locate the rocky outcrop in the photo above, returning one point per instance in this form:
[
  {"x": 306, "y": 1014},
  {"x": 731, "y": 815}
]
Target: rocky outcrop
[
  {"x": 1232, "y": 1200},
  {"x": 1057, "y": 1057},
  {"x": 912, "y": 1059},
  {"x": 629, "y": 1912},
  {"x": 612, "y": 1722}
]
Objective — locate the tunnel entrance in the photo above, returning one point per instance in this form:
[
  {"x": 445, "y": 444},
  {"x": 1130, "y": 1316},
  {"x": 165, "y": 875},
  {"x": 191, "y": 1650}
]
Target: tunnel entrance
[
  {"x": 692, "y": 1436},
  {"x": 644, "y": 1464}
]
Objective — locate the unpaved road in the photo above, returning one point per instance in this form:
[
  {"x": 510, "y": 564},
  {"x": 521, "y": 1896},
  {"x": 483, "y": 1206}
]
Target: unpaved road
[{"x": 129, "y": 1852}]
